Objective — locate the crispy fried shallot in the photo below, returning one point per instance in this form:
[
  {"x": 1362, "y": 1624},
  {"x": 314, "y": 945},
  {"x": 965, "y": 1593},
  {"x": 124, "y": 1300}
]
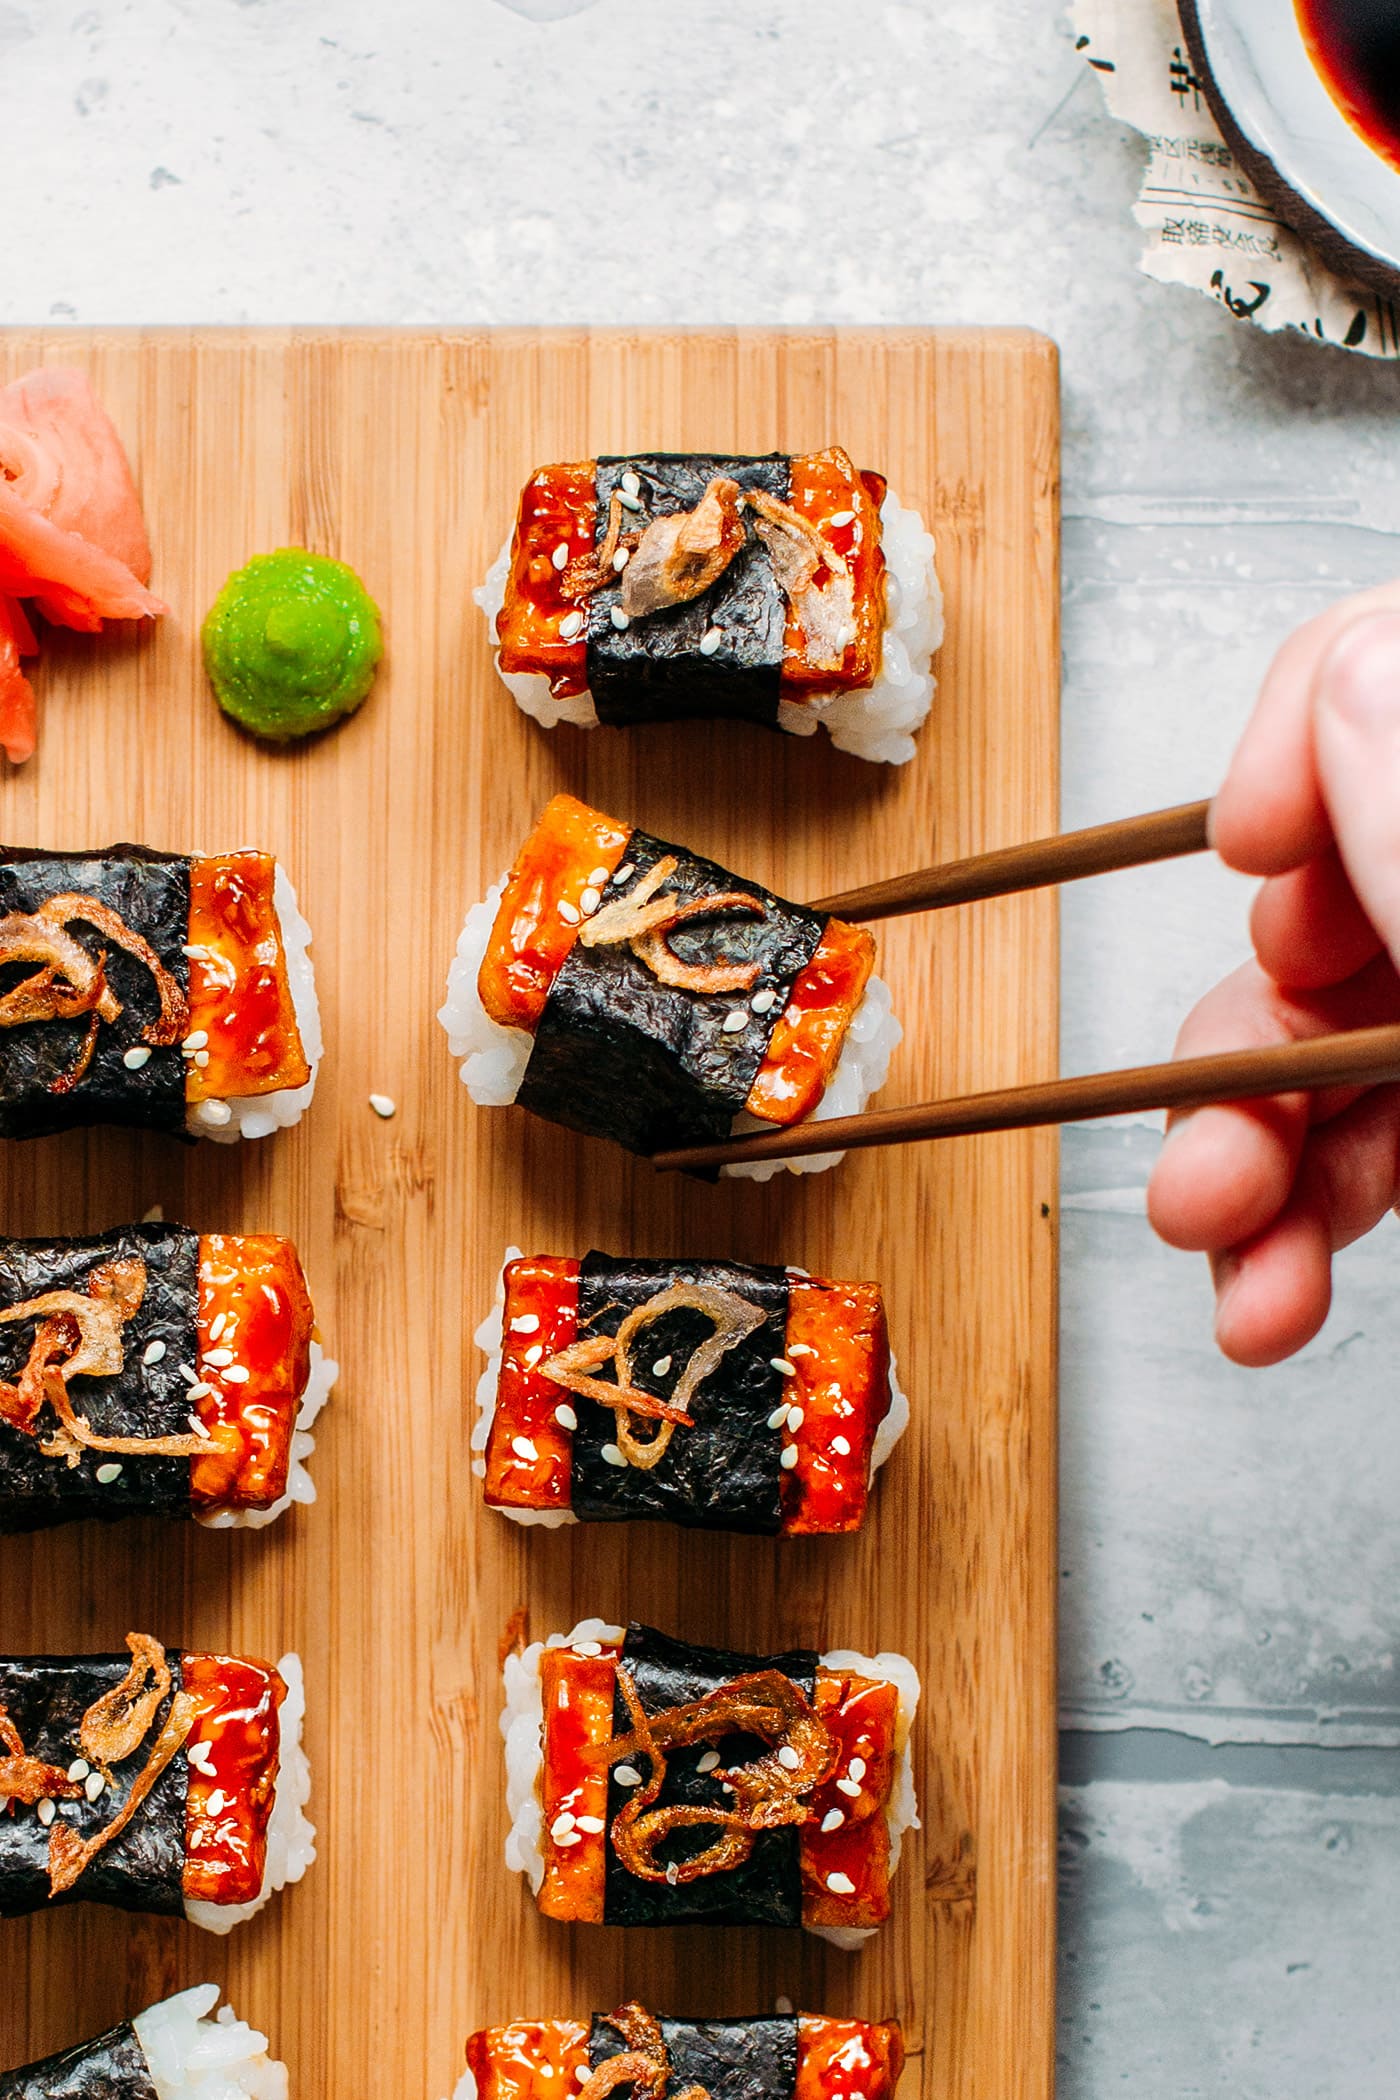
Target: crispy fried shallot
[
  {"x": 679, "y": 556},
  {"x": 768, "y": 1793},
  {"x": 28, "y": 1779},
  {"x": 69, "y": 982},
  {"x": 70, "y": 1855},
  {"x": 644, "y": 2064},
  {"x": 825, "y": 611},
  {"x": 80, "y": 1335},
  {"x": 734, "y": 1318},
  {"x": 115, "y": 1726},
  {"x": 647, "y": 914}
]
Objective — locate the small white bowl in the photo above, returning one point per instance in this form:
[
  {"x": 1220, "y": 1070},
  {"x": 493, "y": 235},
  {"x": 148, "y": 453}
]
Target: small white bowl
[{"x": 1292, "y": 139}]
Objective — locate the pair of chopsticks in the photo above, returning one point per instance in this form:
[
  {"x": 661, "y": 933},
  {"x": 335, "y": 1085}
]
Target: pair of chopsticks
[{"x": 1362, "y": 1057}]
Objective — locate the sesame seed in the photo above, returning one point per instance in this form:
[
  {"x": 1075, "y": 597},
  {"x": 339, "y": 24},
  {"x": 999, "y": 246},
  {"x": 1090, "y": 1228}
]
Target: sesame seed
[
  {"x": 153, "y": 1353},
  {"x": 612, "y": 1456},
  {"x": 621, "y": 559},
  {"x": 619, "y": 619},
  {"x": 588, "y": 1648},
  {"x": 562, "y": 1825},
  {"x": 570, "y": 625},
  {"x": 565, "y": 1416},
  {"x": 850, "y": 1787},
  {"x": 632, "y": 482},
  {"x": 788, "y": 1757},
  {"x": 709, "y": 1762},
  {"x": 79, "y": 1769},
  {"x": 763, "y": 1002},
  {"x": 94, "y": 1785},
  {"x": 801, "y": 1349},
  {"x": 532, "y": 1355},
  {"x": 661, "y": 1367},
  {"x": 627, "y": 1775},
  {"x": 217, "y": 1325},
  {"x": 202, "y": 1758},
  {"x": 598, "y": 878},
  {"x": 137, "y": 1056},
  {"x": 628, "y": 500},
  {"x": 197, "y": 1039},
  {"x": 710, "y": 640},
  {"x": 218, "y": 1358},
  {"x": 236, "y": 1374},
  {"x": 215, "y": 1114},
  {"x": 796, "y": 1417},
  {"x": 194, "y": 951},
  {"x": 583, "y": 2074},
  {"x": 832, "y": 1820},
  {"x": 198, "y": 1427},
  {"x": 842, "y": 517},
  {"x": 107, "y": 1474},
  {"x": 383, "y": 1105},
  {"x": 856, "y": 1768},
  {"x": 778, "y": 1416},
  {"x": 560, "y": 556},
  {"x": 625, "y": 872},
  {"x": 523, "y": 1448},
  {"x": 673, "y": 1874},
  {"x": 570, "y": 1837},
  {"x": 201, "y": 1058},
  {"x": 569, "y": 913},
  {"x": 46, "y": 1812},
  {"x": 525, "y": 1323},
  {"x": 736, "y": 1020},
  {"x": 789, "y": 1457},
  {"x": 218, "y": 1801},
  {"x": 187, "y": 1372},
  {"x": 594, "y": 1825},
  {"x": 200, "y": 1390},
  {"x": 840, "y": 1884},
  {"x": 781, "y": 1363},
  {"x": 590, "y": 900},
  {"x": 841, "y": 1445}
]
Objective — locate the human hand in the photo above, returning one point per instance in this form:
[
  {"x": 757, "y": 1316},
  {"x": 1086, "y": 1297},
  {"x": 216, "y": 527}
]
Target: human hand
[{"x": 1271, "y": 1189}]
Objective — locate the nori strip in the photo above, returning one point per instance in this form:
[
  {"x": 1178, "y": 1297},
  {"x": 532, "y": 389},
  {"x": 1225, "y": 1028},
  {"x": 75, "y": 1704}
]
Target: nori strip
[
  {"x": 112, "y": 2066},
  {"x": 766, "y": 1888},
  {"x": 142, "y": 1400},
  {"x": 618, "y": 1054},
  {"x": 731, "y": 2059},
  {"x": 142, "y": 1869},
  {"x": 724, "y": 1474},
  {"x": 150, "y": 892},
  {"x": 653, "y": 671}
]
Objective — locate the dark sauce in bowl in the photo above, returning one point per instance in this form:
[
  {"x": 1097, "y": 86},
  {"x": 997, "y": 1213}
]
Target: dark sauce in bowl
[{"x": 1355, "y": 45}]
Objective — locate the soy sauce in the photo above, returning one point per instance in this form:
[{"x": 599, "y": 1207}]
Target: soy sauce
[{"x": 1355, "y": 45}]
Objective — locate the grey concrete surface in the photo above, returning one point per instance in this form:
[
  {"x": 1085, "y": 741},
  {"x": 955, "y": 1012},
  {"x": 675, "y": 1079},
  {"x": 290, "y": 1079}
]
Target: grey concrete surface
[{"x": 1231, "y": 1892}]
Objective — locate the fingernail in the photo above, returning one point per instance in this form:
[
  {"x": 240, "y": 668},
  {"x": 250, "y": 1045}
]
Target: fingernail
[{"x": 1360, "y": 675}]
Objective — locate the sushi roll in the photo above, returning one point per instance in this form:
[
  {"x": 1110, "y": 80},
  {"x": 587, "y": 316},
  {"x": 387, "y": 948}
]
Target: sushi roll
[
  {"x": 171, "y": 1783},
  {"x": 160, "y": 990},
  {"x": 179, "y": 2046},
  {"x": 782, "y": 2056},
  {"x": 759, "y": 1399},
  {"x": 650, "y": 1782},
  {"x": 632, "y": 990},
  {"x": 788, "y": 589},
  {"x": 154, "y": 1371}
]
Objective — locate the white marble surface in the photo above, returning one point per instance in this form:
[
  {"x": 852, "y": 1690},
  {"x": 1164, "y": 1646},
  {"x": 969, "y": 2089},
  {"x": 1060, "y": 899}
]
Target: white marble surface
[{"x": 1231, "y": 1572}]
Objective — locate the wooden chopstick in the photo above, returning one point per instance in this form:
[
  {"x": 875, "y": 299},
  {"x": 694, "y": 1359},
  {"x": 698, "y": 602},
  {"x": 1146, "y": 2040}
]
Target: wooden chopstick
[
  {"x": 1362, "y": 1057},
  {"x": 1132, "y": 842}
]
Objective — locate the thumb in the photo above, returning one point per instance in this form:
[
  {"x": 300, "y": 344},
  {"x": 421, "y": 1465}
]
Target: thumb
[{"x": 1356, "y": 728}]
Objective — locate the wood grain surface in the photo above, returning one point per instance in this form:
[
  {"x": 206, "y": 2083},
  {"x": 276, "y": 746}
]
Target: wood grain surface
[{"x": 403, "y": 454}]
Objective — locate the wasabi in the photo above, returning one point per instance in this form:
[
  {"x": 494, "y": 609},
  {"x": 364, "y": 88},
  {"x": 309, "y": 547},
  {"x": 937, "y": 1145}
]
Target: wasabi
[{"x": 291, "y": 643}]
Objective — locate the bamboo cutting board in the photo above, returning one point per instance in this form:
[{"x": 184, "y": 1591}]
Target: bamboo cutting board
[{"x": 403, "y": 454}]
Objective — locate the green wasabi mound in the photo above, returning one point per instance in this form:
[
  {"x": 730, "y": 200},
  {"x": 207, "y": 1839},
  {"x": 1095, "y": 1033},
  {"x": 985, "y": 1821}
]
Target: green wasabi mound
[{"x": 291, "y": 643}]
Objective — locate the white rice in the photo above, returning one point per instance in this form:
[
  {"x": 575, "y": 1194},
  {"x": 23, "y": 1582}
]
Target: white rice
[
  {"x": 522, "y": 1726},
  {"x": 874, "y": 722},
  {"x": 291, "y": 1840},
  {"x": 494, "y": 1058},
  {"x": 489, "y": 1338},
  {"x": 219, "y": 2059},
  {"x": 258, "y": 1115},
  {"x": 320, "y": 1378}
]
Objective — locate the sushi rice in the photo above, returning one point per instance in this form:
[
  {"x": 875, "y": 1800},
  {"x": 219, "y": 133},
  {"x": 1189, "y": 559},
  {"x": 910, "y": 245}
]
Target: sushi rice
[
  {"x": 875, "y": 722},
  {"x": 291, "y": 1839},
  {"x": 320, "y": 1378},
  {"x": 489, "y": 1336},
  {"x": 522, "y": 1726},
  {"x": 495, "y": 1058},
  {"x": 258, "y": 1115},
  {"x": 218, "y": 2058}
]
